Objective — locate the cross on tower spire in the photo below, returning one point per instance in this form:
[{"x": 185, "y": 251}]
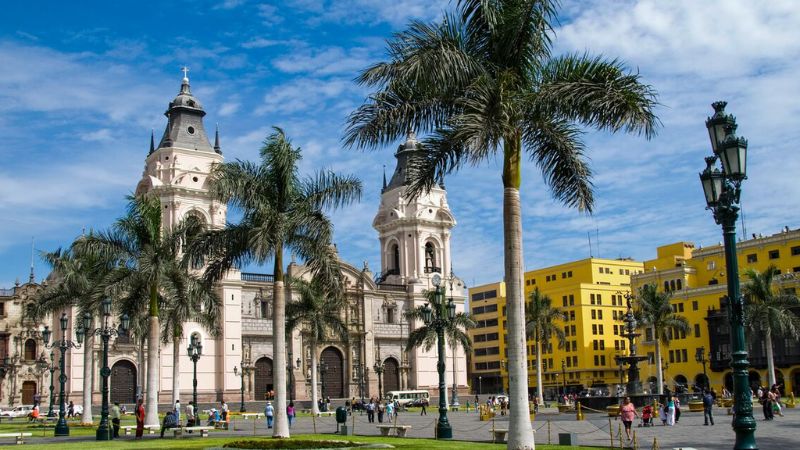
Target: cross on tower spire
[{"x": 185, "y": 73}]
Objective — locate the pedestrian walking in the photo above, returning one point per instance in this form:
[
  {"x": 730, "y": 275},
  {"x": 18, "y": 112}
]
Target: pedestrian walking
[
  {"x": 371, "y": 411},
  {"x": 627, "y": 412},
  {"x": 139, "y": 418},
  {"x": 708, "y": 406},
  {"x": 115, "y": 417},
  {"x": 381, "y": 411},
  {"x": 177, "y": 411},
  {"x": 290, "y": 413},
  {"x": 677, "y": 408},
  {"x": 269, "y": 413},
  {"x": 424, "y": 405},
  {"x": 670, "y": 411}
]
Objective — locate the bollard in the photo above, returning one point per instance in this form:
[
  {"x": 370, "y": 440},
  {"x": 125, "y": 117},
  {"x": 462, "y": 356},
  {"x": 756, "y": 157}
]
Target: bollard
[
  {"x": 354, "y": 423},
  {"x": 254, "y": 426},
  {"x": 619, "y": 435},
  {"x": 494, "y": 436},
  {"x": 635, "y": 443},
  {"x": 610, "y": 434},
  {"x": 655, "y": 443},
  {"x": 548, "y": 431},
  {"x": 314, "y": 420},
  {"x": 579, "y": 414},
  {"x": 655, "y": 408}
]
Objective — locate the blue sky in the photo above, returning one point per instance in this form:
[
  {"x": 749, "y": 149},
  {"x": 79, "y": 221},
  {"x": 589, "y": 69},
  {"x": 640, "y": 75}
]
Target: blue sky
[{"x": 82, "y": 84}]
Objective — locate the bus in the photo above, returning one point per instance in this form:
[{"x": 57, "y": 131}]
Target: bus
[{"x": 406, "y": 398}]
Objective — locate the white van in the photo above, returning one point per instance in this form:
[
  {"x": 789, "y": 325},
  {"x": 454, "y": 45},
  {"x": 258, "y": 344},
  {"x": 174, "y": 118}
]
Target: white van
[{"x": 406, "y": 398}]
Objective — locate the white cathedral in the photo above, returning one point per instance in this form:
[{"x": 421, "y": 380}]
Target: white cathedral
[{"x": 414, "y": 239}]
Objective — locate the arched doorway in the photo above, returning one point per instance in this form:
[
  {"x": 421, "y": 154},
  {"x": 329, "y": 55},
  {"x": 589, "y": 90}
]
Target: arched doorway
[
  {"x": 123, "y": 382},
  {"x": 263, "y": 378},
  {"x": 681, "y": 384},
  {"x": 755, "y": 380},
  {"x": 28, "y": 392},
  {"x": 728, "y": 381},
  {"x": 700, "y": 382},
  {"x": 780, "y": 381},
  {"x": 334, "y": 375},
  {"x": 391, "y": 375}
]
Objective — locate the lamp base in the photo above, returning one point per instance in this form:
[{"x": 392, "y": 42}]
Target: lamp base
[
  {"x": 104, "y": 433},
  {"x": 444, "y": 431}
]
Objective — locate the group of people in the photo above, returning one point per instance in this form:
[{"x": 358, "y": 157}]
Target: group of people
[
  {"x": 324, "y": 404},
  {"x": 269, "y": 413},
  {"x": 386, "y": 409},
  {"x": 770, "y": 400}
]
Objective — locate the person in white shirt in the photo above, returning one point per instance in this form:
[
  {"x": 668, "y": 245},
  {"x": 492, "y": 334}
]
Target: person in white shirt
[
  {"x": 190, "y": 414},
  {"x": 269, "y": 412}
]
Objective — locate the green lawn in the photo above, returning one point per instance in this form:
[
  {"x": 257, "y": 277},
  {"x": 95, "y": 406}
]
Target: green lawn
[{"x": 195, "y": 442}]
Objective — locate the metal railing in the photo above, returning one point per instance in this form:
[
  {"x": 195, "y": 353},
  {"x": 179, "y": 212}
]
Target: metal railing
[
  {"x": 392, "y": 287},
  {"x": 6, "y": 292},
  {"x": 258, "y": 277}
]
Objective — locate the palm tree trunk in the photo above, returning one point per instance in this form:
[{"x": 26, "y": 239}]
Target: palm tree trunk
[
  {"x": 770, "y": 357},
  {"x": 314, "y": 380},
  {"x": 153, "y": 348},
  {"x": 141, "y": 365},
  {"x": 659, "y": 373},
  {"x": 176, "y": 369},
  {"x": 520, "y": 432},
  {"x": 88, "y": 375},
  {"x": 539, "y": 393},
  {"x": 281, "y": 425}
]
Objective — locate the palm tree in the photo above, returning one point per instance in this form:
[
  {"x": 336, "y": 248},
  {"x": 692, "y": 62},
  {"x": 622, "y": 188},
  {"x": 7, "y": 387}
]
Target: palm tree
[
  {"x": 318, "y": 313},
  {"x": 454, "y": 329},
  {"x": 79, "y": 281},
  {"x": 540, "y": 325},
  {"x": 191, "y": 300},
  {"x": 482, "y": 82},
  {"x": 654, "y": 311},
  {"x": 769, "y": 311},
  {"x": 281, "y": 211},
  {"x": 146, "y": 255}
]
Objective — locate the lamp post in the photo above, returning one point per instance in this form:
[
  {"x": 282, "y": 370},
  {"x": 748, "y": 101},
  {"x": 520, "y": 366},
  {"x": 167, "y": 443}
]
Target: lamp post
[
  {"x": 52, "y": 369},
  {"x": 378, "y": 368},
  {"x": 194, "y": 350},
  {"x": 564, "y": 376},
  {"x": 722, "y": 189},
  {"x": 105, "y": 332},
  {"x": 323, "y": 369},
  {"x": 290, "y": 377},
  {"x": 62, "y": 429},
  {"x": 700, "y": 357},
  {"x": 236, "y": 372},
  {"x": 437, "y": 320},
  {"x": 480, "y": 379},
  {"x": 454, "y": 400}
]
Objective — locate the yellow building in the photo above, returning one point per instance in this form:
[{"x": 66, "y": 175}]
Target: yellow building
[
  {"x": 591, "y": 294},
  {"x": 697, "y": 279}
]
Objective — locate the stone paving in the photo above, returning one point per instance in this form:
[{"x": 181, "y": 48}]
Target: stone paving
[{"x": 782, "y": 433}]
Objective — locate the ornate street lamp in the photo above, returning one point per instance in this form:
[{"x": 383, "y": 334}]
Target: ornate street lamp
[
  {"x": 700, "y": 356},
  {"x": 290, "y": 373},
  {"x": 194, "y": 350},
  {"x": 437, "y": 321},
  {"x": 378, "y": 368},
  {"x": 62, "y": 429},
  {"x": 480, "y": 379},
  {"x": 323, "y": 369},
  {"x": 451, "y": 313},
  {"x": 52, "y": 368},
  {"x": 564, "y": 376},
  {"x": 722, "y": 190},
  {"x": 104, "y": 432}
]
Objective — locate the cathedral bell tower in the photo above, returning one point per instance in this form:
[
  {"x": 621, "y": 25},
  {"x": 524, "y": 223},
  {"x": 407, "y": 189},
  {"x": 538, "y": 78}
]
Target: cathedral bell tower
[{"x": 414, "y": 233}]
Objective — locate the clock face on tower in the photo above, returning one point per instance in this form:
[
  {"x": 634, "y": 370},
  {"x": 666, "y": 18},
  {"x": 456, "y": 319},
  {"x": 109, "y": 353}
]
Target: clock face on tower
[{"x": 436, "y": 279}]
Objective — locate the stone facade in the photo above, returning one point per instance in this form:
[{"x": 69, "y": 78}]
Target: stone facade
[{"x": 414, "y": 236}]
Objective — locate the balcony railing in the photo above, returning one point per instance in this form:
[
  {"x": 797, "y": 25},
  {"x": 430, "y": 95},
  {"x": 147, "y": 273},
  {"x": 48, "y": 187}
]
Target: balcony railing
[
  {"x": 7, "y": 292},
  {"x": 258, "y": 277},
  {"x": 432, "y": 269},
  {"x": 392, "y": 287}
]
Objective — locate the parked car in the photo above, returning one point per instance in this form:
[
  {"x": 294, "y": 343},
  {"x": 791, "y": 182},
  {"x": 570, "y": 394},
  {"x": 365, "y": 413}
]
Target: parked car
[
  {"x": 419, "y": 402},
  {"x": 17, "y": 411}
]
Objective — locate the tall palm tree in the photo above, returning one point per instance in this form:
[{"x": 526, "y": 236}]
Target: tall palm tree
[
  {"x": 191, "y": 300},
  {"x": 454, "y": 329},
  {"x": 540, "y": 325},
  {"x": 318, "y": 313},
  {"x": 769, "y": 311},
  {"x": 79, "y": 281},
  {"x": 281, "y": 211},
  {"x": 146, "y": 255},
  {"x": 654, "y": 311},
  {"x": 483, "y": 81}
]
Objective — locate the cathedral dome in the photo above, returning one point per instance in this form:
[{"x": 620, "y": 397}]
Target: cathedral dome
[{"x": 185, "y": 98}]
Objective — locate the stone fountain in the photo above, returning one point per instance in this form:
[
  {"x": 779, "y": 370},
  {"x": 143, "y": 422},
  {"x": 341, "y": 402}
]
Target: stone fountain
[{"x": 634, "y": 385}]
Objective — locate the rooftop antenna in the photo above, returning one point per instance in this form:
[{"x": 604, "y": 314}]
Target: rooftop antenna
[
  {"x": 597, "y": 234},
  {"x": 589, "y": 235}
]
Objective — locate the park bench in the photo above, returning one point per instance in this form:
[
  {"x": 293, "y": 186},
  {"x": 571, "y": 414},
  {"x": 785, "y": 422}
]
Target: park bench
[
  {"x": 180, "y": 431},
  {"x": 326, "y": 413},
  {"x": 151, "y": 429},
  {"x": 400, "y": 430},
  {"x": 19, "y": 436},
  {"x": 499, "y": 434},
  {"x": 246, "y": 416}
]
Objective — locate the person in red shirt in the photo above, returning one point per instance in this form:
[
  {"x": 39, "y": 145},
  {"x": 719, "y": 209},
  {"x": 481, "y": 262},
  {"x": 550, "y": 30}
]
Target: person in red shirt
[{"x": 139, "y": 418}]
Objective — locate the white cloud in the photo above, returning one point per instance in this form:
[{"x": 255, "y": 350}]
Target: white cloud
[
  {"x": 103, "y": 134},
  {"x": 324, "y": 61},
  {"x": 229, "y": 4},
  {"x": 396, "y": 12},
  {"x": 229, "y": 108}
]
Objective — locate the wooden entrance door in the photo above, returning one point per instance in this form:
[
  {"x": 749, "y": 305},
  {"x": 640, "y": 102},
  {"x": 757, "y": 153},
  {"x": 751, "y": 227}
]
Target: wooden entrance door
[
  {"x": 263, "y": 378},
  {"x": 334, "y": 376},
  {"x": 123, "y": 382},
  {"x": 391, "y": 375},
  {"x": 28, "y": 391}
]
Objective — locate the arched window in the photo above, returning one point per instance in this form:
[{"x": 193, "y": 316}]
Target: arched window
[
  {"x": 680, "y": 285},
  {"x": 30, "y": 350},
  {"x": 395, "y": 267},
  {"x": 430, "y": 259},
  {"x": 666, "y": 286}
]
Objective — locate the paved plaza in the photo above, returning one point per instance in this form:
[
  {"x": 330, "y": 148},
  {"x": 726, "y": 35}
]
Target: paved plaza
[{"x": 782, "y": 433}]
